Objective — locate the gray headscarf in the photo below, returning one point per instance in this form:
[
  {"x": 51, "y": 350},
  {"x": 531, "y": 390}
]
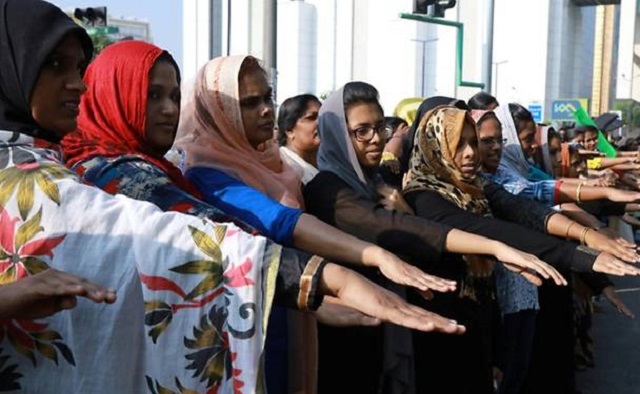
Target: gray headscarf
[{"x": 336, "y": 153}]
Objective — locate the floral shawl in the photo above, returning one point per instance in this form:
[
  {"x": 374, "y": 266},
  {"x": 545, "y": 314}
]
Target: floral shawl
[{"x": 193, "y": 295}]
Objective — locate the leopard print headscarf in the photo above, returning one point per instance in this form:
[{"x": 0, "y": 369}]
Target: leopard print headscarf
[{"x": 432, "y": 166}]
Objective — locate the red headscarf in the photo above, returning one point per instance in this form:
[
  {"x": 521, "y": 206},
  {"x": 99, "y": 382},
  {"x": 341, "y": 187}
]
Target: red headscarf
[{"x": 113, "y": 112}]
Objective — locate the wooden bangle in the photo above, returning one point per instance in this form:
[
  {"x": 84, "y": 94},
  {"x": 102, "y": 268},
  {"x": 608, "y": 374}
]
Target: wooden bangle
[{"x": 306, "y": 281}]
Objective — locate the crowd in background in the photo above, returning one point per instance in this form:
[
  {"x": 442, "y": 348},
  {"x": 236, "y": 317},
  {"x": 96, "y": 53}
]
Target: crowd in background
[{"x": 160, "y": 241}]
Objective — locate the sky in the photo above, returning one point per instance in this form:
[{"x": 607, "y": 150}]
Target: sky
[{"x": 165, "y": 17}]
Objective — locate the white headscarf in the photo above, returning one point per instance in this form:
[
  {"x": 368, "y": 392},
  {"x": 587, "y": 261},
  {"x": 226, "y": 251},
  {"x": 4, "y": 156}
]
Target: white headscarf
[{"x": 512, "y": 155}]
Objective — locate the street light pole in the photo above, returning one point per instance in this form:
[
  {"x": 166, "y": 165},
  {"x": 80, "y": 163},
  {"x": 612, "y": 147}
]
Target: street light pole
[{"x": 424, "y": 52}]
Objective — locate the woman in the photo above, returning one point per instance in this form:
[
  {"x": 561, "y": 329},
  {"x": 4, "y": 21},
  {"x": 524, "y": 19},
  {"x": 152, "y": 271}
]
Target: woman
[
  {"x": 483, "y": 101},
  {"x": 395, "y": 179},
  {"x": 344, "y": 194},
  {"x": 444, "y": 187},
  {"x": 172, "y": 275},
  {"x": 298, "y": 134}
]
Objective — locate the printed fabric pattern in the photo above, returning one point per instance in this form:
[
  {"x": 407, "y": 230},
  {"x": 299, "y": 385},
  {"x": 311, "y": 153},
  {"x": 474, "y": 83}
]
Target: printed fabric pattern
[{"x": 193, "y": 296}]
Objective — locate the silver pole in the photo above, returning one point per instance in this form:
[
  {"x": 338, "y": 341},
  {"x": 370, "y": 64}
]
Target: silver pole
[
  {"x": 270, "y": 41},
  {"x": 488, "y": 53}
]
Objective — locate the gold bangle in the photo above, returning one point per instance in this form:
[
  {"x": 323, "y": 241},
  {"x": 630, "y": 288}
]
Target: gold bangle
[
  {"x": 569, "y": 228},
  {"x": 388, "y": 156},
  {"x": 306, "y": 280},
  {"x": 583, "y": 235},
  {"x": 578, "y": 192}
]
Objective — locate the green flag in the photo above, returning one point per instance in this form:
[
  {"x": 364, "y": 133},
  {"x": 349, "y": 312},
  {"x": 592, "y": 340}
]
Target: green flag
[{"x": 583, "y": 119}]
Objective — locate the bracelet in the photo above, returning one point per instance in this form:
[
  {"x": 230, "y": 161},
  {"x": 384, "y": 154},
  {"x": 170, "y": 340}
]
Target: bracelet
[
  {"x": 569, "y": 228},
  {"x": 306, "y": 281},
  {"x": 578, "y": 192},
  {"x": 388, "y": 156},
  {"x": 583, "y": 235}
]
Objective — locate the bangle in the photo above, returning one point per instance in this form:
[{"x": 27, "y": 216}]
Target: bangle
[
  {"x": 388, "y": 156},
  {"x": 569, "y": 228},
  {"x": 583, "y": 235},
  {"x": 306, "y": 281},
  {"x": 578, "y": 192}
]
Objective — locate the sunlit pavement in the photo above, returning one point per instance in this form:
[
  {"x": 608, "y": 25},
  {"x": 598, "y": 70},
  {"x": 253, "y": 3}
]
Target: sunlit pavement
[{"x": 617, "y": 345}]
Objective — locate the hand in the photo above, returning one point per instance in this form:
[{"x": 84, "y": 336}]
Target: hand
[
  {"x": 608, "y": 264},
  {"x": 393, "y": 200},
  {"x": 402, "y": 273},
  {"x": 47, "y": 293},
  {"x": 527, "y": 265},
  {"x": 618, "y": 195},
  {"x": 357, "y": 292},
  {"x": 393, "y": 165},
  {"x": 630, "y": 219},
  {"x": 623, "y": 250},
  {"x": 597, "y": 182},
  {"x": 610, "y": 294},
  {"x": 332, "y": 313}
]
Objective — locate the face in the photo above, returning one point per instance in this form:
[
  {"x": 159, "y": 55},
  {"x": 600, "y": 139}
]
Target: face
[
  {"x": 256, "y": 105},
  {"x": 360, "y": 119},
  {"x": 466, "y": 158},
  {"x": 304, "y": 135},
  {"x": 555, "y": 154},
  {"x": 163, "y": 108},
  {"x": 590, "y": 140},
  {"x": 579, "y": 139},
  {"x": 527, "y": 139},
  {"x": 490, "y": 144},
  {"x": 56, "y": 95}
]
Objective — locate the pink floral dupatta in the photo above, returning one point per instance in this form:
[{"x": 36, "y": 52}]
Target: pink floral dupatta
[{"x": 212, "y": 135}]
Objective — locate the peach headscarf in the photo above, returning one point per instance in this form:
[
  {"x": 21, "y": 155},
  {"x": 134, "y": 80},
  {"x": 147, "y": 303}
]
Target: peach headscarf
[{"x": 212, "y": 135}]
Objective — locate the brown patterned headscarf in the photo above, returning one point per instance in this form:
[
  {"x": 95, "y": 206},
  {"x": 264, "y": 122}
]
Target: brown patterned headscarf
[{"x": 432, "y": 165}]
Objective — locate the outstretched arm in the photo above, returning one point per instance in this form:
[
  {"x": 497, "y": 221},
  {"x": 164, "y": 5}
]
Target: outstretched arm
[
  {"x": 47, "y": 293},
  {"x": 355, "y": 291}
]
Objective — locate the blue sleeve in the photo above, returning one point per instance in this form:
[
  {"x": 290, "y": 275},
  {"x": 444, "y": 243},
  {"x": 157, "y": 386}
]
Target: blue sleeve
[
  {"x": 234, "y": 197},
  {"x": 541, "y": 191}
]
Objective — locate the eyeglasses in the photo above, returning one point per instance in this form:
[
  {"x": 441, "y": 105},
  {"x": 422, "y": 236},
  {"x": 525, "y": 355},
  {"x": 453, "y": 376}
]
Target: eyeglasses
[
  {"x": 365, "y": 133},
  {"x": 493, "y": 141}
]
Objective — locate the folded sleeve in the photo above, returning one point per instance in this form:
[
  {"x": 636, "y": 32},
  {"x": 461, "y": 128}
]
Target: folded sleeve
[{"x": 237, "y": 199}]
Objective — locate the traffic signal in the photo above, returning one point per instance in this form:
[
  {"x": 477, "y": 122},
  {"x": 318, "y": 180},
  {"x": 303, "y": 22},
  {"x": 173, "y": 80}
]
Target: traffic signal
[
  {"x": 92, "y": 16},
  {"x": 432, "y": 8}
]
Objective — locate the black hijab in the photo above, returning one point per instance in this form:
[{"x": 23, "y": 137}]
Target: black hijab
[
  {"x": 426, "y": 106},
  {"x": 29, "y": 31}
]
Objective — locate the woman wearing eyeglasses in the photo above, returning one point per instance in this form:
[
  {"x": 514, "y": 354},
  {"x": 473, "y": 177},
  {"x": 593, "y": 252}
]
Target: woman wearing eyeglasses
[{"x": 345, "y": 194}]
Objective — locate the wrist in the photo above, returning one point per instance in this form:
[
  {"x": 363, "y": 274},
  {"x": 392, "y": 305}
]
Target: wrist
[{"x": 372, "y": 256}]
